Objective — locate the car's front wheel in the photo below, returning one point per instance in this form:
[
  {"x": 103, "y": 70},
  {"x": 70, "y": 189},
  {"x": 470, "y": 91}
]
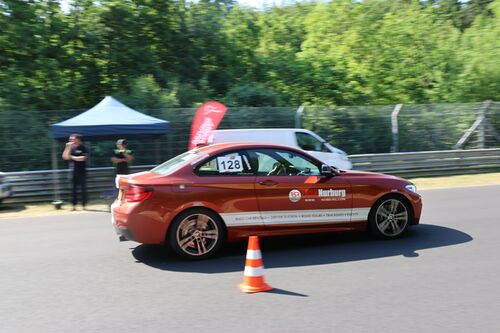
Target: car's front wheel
[
  {"x": 390, "y": 217},
  {"x": 196, "y": 234}
]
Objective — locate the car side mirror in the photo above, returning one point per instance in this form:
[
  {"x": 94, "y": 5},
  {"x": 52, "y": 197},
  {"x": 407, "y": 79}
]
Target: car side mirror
[{"x": 327, "y": 170}]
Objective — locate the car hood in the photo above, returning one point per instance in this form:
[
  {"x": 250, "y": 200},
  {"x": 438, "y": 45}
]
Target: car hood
[{"x": 367, "y": 174}]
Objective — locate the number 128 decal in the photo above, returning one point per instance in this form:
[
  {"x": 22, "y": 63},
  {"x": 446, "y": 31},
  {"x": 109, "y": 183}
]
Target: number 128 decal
[{"x": 229, "y": 163}]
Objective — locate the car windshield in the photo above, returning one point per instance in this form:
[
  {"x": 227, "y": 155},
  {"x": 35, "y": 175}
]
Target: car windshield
[{"x": 176, "y": 162}]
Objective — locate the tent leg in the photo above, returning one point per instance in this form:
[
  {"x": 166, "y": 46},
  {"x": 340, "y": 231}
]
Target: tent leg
[{"x": 55, "y": 179}]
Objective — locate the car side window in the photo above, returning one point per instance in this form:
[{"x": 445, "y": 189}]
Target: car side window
[
  {"x": 270, "y": 162},
  {"x": 308, "y": 142},
  {"x": 229, "y": 164}
]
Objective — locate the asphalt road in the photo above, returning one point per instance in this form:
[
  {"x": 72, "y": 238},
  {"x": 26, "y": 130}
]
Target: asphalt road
[{"x": 70, "y": 274}]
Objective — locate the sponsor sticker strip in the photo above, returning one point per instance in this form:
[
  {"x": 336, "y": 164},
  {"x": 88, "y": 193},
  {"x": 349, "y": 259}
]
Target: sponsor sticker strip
[{"x": 296, "y": 216}]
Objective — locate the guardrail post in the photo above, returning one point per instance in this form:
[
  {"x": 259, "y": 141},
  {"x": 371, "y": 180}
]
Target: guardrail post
[
  {"x": 478, "y": 122},
  {"x": 481, "y": 126},
  {"x": 298, "y": 116},
  {"x": 395, "y": 127}
]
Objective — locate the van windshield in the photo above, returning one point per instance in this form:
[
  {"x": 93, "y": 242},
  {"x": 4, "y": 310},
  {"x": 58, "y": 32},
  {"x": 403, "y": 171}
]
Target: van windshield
[
  {"x": 309, "y": 143},
  {"x": 176, "y": 162}
]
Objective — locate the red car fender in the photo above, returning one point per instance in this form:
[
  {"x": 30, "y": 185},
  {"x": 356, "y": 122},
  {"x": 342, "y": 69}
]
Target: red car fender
[
  {"x": 194, "y": 204},
  {"x": 409, "y": 199}
]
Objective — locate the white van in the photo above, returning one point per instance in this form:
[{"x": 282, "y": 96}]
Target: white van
[{"x": 294, "y": 137}]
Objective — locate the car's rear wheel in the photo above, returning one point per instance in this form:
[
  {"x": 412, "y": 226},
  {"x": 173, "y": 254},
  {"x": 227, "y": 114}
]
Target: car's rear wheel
[
  {"x": 196, "y": 234},
  {"x": 390, "y": 217}
]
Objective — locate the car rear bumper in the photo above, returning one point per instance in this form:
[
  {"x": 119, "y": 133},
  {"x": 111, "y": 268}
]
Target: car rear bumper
[
  {"x": 124, "y": 234},
  {"x": 138, "y": 222}
]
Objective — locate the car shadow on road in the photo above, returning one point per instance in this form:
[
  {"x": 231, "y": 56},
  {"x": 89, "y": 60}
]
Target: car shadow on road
[{"x": 307, "y": 250}]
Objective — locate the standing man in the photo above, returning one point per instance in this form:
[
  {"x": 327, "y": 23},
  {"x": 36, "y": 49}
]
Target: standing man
[
  {"x": 122, "y": 157},
  {"x": 77, "y": 153}
]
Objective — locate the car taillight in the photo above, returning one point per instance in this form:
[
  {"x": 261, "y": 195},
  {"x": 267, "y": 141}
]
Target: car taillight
[{"x": 137, "y": 193}]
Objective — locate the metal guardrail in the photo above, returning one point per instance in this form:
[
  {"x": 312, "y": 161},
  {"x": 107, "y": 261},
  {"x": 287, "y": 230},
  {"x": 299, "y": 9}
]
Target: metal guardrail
[
  {"x": 38, "y": 186},
  {"x": 430, "y": 163}
]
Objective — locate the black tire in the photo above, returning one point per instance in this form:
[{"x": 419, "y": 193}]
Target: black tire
[
  {"x": 196, "y": 233},
  {"x": 389, "y": 217}
]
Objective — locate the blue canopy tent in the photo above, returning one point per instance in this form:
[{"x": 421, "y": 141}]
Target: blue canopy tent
[{"x": 110, "y": 119}]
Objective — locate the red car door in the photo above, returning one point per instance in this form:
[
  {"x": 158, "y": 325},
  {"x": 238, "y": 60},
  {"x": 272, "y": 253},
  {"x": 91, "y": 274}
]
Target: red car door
[
  {"x": 291, "y": 192},
  {"x": 226, "y": 183}
]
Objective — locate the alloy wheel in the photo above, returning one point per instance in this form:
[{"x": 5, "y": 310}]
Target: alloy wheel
[
  {"x": 197, "y": 234},
  {"x": 391, "y": 217}
]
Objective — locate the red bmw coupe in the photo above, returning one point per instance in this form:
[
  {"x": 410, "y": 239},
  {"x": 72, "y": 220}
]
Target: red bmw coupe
[{"x": 196, "y": 201}]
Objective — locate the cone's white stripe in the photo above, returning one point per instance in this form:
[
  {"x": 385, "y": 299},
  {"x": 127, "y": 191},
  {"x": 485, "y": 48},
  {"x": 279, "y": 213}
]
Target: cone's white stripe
[
  {"x": 253, "y": 271},
  {"x": 254, "y": 254},
  {"x": 296, "y": 216}
]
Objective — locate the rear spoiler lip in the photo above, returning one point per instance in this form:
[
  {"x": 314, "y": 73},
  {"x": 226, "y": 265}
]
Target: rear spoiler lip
[
  {"x": 120, "y": 180},
  {"x": 123, "y": 180}
]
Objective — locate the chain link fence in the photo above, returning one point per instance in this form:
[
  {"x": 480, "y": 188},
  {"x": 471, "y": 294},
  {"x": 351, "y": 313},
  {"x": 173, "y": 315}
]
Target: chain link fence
[
  {"x": 419, "y": 127},
  {"x": 25, "y": 140}
]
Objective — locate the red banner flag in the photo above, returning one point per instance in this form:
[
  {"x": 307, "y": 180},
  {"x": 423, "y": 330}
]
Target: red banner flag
[{"x": 206, "y": 120}]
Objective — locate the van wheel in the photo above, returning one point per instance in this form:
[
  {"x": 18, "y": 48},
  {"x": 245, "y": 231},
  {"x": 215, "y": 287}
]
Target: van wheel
[{"x": 196, "y": 234}]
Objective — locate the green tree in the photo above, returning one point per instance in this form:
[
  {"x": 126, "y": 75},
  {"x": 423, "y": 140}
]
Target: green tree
[
  {"x": 380, "y": 52},
  {"x": 480, "y": 78},
  {"x": 282, "y": 31},
  {"x": 255, "y": 94},
  {"x": 241, "y": 33},
  {"x": 31, "y": 44},
  {"x": 204, "y": 24},
  {"x": 145, "y": 93}
]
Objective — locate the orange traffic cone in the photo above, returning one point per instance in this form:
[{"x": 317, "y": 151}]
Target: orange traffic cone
[{"x": 253, "y": 277}]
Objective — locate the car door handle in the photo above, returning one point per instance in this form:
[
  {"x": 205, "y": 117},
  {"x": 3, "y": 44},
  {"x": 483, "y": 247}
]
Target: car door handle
[{"x": 268, "y": 183}]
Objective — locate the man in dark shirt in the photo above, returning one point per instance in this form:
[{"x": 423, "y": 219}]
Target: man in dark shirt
[
  {"x": 122, "y": 157},
  {"x": 77, "y": 153}
]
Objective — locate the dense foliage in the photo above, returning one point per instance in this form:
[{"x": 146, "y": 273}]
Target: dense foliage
[{"x": 173, "y": 53}]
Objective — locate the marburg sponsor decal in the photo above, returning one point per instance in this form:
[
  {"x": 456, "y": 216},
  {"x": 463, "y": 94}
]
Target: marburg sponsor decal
[{"x": 332, "y": 193}]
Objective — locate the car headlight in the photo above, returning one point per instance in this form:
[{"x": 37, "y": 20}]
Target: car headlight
[{"x": 411, "y": 188}]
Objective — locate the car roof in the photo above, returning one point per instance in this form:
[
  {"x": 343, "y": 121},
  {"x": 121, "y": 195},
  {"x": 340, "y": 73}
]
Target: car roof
[{"x": 219, "y": 147}]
